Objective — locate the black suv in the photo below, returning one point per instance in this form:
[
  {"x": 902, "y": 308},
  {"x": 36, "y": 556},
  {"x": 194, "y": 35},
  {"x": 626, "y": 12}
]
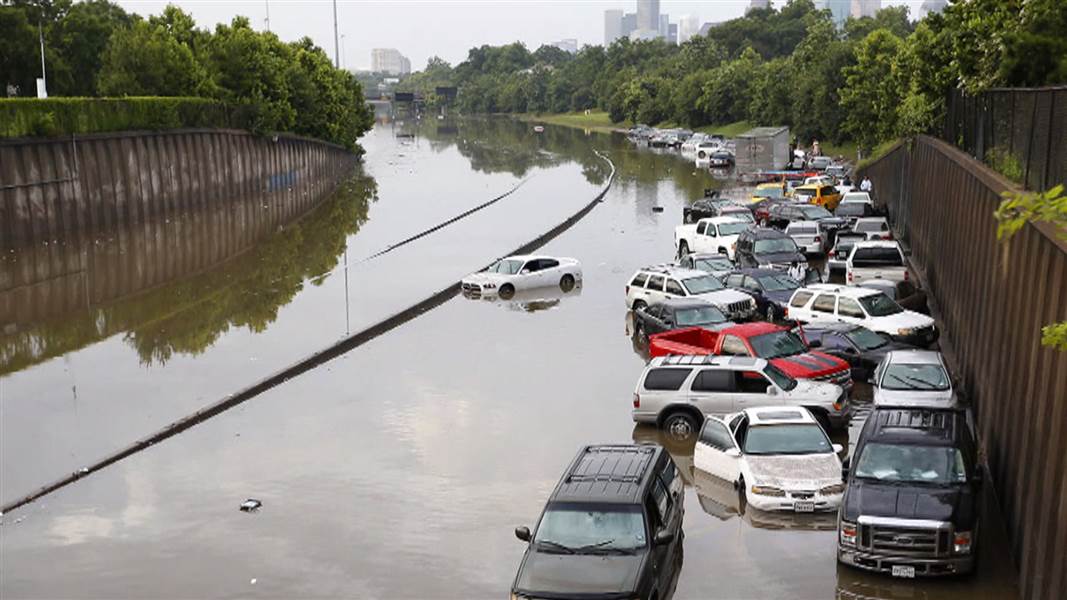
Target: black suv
[
  {"x": 611, "y": 529},
  {"x": 676, "y": 313},
  {"x": 912, "y": 502},
  {"x": 767, "y": 248}
]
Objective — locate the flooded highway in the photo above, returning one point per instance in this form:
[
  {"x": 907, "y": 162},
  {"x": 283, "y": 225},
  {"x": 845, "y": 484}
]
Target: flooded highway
[{"x": 401, "y": 469}]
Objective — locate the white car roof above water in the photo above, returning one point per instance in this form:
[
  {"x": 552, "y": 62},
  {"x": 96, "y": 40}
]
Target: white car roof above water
[{"x": 778, "y": 415}]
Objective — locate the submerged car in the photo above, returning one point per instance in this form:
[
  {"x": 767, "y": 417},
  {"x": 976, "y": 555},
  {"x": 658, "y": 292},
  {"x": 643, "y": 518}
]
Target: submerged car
[
  {"x": 913, "y": 378},
  {"x": 715, "y": 264},
  {"x": 508, "y": 275},
  {"x": 860, "y": 347},
  {"x": 778, "y": 456},
  {"x": 612, "y": 528},
  {"x": 676, "y": 313},
  {"x": 772, "y": 289}
]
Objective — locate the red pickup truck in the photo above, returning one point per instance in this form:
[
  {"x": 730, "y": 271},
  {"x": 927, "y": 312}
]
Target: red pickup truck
[{"x": 783, "y": 348}]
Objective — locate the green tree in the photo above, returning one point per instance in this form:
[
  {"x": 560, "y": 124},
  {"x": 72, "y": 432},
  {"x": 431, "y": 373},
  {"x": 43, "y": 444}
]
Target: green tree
[
  {"x": 20, "y": 62},
  {"x": 893, "y": 19},
  {"x": 873, "y": 90},
  {"x": 250, "y": 68},
  {"x": 81, "y": 36},
  {"x": 144, "y": 60}
]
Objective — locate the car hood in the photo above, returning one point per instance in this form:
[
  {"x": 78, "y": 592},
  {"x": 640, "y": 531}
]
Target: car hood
[
  {"x": 804, "y": 472},
  {"x": 876, "y": 355},
  {"x": 780, "y": 258},
  {"x": 876, "y": 499},
  {"x": 931, "y": 398},
  {"x": 907, "y": 319},
  {"x": 779, "y": 296},
  {"x": 810, "y": 364},
  {"x": 483, "y": 277},
  {"x": 833, "y": 223},
  {"x": 724, "y": 297},
  {"x": 815, "y": 391},
  {"x": 550, "y": 574}
]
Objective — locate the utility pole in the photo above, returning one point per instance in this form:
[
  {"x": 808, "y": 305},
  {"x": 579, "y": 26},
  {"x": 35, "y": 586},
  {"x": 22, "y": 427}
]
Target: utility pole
[
  {"x": 268, "y": 15},
  {"x": 336, "y": 45},
  {"x": 342, "y": 50},
  {"x": 44, "y": 76}
]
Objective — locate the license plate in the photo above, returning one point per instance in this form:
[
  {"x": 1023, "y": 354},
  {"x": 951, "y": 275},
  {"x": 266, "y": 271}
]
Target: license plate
[
  {"x": 804, "y": 506},
  {"x": 905, "y": 571}
]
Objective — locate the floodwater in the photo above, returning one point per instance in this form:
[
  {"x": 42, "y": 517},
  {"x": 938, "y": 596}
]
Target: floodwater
[{"x": 401, "y": 469}]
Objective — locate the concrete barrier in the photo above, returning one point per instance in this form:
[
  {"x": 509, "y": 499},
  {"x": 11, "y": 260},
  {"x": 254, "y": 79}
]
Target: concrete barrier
[{"x": 85, "y": 187}]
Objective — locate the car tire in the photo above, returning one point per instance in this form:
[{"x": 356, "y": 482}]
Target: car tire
[
  {"x": 680, "y": 425},
  {"x": 683, "y": 248},
  {"x": 638, "y": 305},
  {"x": 566, "y": 283},
  {"x": 506, "y": 291}
]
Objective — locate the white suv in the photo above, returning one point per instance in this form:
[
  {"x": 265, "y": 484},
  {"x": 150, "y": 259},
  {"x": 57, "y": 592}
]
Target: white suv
[
  {"x": 861, "y": 306},
  {"x": 656, "y": 284},
  {"x": 677, "y": 392}
]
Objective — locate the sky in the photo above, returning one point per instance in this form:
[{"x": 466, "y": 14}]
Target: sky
[{"x": 420, "y": 29}]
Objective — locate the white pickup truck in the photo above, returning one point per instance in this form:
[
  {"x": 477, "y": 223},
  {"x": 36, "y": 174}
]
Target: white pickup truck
[
  {"x": 714, "y": 235},
  {"x": 875, "y": 260}
]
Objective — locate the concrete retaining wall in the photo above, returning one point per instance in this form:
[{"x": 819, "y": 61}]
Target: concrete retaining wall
[{"x": 87, "y": 187}]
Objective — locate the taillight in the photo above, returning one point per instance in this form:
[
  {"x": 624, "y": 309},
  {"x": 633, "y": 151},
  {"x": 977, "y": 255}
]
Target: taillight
[
  {"x": 905, "y": 274},
  {"x": 850, "y": 276},
  {"x": 785, "y": 313},
  {"x": 637, "y": 400}
]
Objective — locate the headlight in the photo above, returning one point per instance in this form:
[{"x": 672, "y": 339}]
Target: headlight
[
  {"x": 961, "y": 542},
  {"x": 847, "y": 533},
  {"x": 906, "y": 331},
  {"x": 832, "y": 490},
  {"x": 767, "y": 491}
]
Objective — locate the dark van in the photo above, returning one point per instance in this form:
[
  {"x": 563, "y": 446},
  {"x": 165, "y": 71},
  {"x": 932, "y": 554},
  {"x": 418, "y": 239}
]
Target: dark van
[{"x": 612, "y": 528}]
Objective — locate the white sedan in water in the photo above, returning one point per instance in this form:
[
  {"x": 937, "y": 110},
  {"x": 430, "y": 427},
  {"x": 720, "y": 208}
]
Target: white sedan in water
[
  {"x": 522, "y": 272},
  {"x": 779, "y": 456}
]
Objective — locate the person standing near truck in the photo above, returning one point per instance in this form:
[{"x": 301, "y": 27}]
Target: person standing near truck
[{"x": 865, "y": 185}]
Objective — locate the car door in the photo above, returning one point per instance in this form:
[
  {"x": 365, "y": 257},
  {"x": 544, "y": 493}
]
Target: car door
[
  {"x": 822, "y": 308},
  {"x": 528, "y": 275},
  {"x": 849, "y": 311},
  {"x": 674, "y": 289},
  {"x": 710, "y": 452},
  {"x": 549, "y": 272},
  {"x": 753, "y": 287},
  {"x": 712, "y": 391},
  {"x": 752, "y": 389},
  {"x": 654, "y": 289},
  {"x": 654, "y": 319}
]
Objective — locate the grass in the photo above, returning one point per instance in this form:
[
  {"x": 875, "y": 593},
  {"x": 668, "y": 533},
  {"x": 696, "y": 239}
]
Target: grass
[
  {"x": 728, "y": 130},
  {"x": 879, "y": 151},
  {"x": 594, "y": 120}
]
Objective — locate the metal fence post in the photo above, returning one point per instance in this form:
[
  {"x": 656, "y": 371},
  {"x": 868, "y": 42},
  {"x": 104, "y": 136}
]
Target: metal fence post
[
  {"x": 1030, "y": 144},
  {"x": 1048, "y": 147}
]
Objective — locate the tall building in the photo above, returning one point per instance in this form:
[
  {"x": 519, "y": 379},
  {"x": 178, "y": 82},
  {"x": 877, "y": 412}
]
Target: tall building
[
  {"x": 754, "y": 4},
  {"x": 688, "y": 26},
  {"x": 839, "y": 10},
  {"x": 648, "y": 14},
  {"x": 629, "y": 24},
  {"x": 664, "y": 27},
  {"x": 389, "y": 60},
  {"x": 612, "y": 26},
  {"x": 865, "y": 8},
  {"x": 931, "y": 7},
  {"x": 672, "y": 33},
  {"x": 567, "y": 45}
]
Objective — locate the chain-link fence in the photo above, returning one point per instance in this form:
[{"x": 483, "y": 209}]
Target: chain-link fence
[{"x": 1021, "y": 132}]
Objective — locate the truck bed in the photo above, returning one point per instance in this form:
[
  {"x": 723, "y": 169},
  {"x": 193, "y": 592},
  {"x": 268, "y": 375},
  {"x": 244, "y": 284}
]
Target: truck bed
[{"x": 691, "y": 340}]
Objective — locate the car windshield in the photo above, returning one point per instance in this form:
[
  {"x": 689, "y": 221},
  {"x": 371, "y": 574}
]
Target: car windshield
[
  {"x": 814, "y": 213},
  {"x": 732, "y": 228},
  {"x": 773, "y": 245},
  {"x": 574, "y": 528},
  {"x": 877, "y": 257},
  {"x": 865, "y": 339},
  {"x": 509, "y": 267},
  {"x": 702, "y": 285},
  {"x": 713, "y": 264},
  {"x": 865, "y": 226},
  {"x": 779, "y": 378},
  {"x": 921, "y": 377},
  {"x": 778, "y": 283},
  {"x": 880, "y": 305},
  {"x": 774, "y": 192},
  {"x": 777, "y": 344},
  {"x": 851, "y": 209},
  {"x": 704, "y": 315},
  {"x": 911, "y": 464},
  {"x": 800, "y": 438}
]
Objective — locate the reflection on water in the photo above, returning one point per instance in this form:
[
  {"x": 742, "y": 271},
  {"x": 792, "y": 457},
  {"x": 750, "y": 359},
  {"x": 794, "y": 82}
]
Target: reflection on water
[
  {"x": 529, "y": 300},
  {"x": 173, "y": 286}
]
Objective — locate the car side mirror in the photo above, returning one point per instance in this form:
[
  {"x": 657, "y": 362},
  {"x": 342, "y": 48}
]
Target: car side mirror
[
  {"x": 663, "y": 537},
  {"x": 524, "y": 272},
  {"x": 523, "y": 533},
  {"x": 732, "y": 453},
  {"x": 837, "y": 448},
  {"x": 772, "y": 391},
  {"x": 815, "y": 344}
]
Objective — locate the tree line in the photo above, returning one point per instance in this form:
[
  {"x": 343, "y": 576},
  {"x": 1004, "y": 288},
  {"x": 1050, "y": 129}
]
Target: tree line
[
  {"x": 873, "y": 80},
  {"x": 96, "y": 49}
]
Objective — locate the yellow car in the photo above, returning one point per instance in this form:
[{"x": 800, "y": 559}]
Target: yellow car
[
  {"x": 826, "y": 196},
  {"x": 769, "y": 190}
]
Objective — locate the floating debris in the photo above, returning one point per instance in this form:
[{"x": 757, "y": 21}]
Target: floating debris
[{"x": 250, "y": 505}]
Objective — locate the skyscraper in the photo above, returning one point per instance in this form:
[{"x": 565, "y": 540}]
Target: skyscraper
[
  {"x": 865, "y": 8},
  {"x": 664, "y": 26},
  {"x": 930, "y": 7},
  {"x": 758, "y": 4},
  {"x": 612, "y": 26},
  {"x": 648, "y": 14},
  {"x": 688, "y": 26},
  {"x": 839, "y": 10},
  {"x": 567, "y": 45},
  {"x": 389, "y": 60}
]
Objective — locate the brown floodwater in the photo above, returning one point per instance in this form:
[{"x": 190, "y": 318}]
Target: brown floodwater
[{"x": 400, "y": 469}]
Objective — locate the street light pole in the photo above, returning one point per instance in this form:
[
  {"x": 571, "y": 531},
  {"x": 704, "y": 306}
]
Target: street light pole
[
  {"x": 342, "y": 50},
  {"x": 336, "y": 46},
  {"x": 40, "y": 37},
  {"x": 267, "y": 2}
]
